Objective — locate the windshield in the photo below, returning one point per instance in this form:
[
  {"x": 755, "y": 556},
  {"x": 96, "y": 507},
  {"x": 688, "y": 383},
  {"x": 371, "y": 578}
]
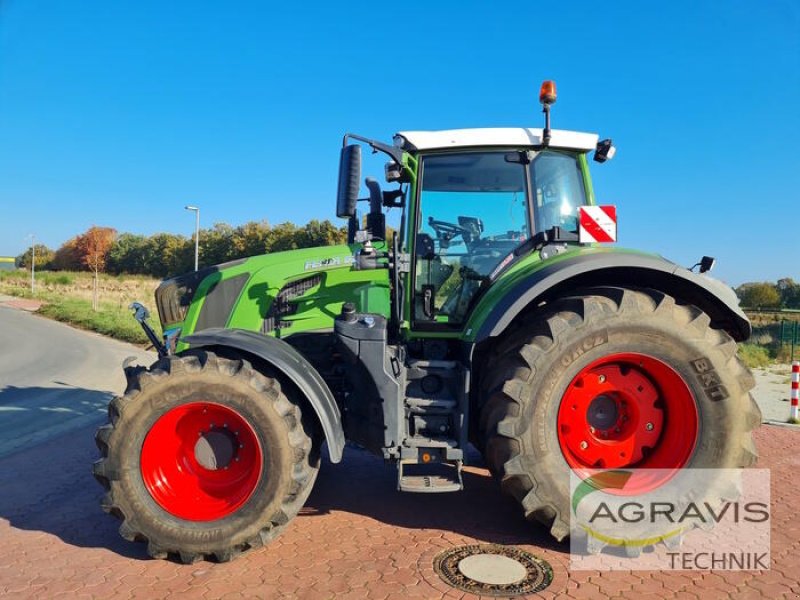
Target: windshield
[{"x": 474, "y": 209}]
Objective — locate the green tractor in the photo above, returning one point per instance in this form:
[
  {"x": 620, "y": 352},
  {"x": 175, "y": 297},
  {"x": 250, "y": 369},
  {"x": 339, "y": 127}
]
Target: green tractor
[{"x": 490, "y": 318}]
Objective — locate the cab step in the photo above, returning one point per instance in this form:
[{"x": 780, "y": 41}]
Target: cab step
[
  {"x": 431, "y": 405},
  {"x": 429, "y": 478},
  {"x": 418, "y": 441}
]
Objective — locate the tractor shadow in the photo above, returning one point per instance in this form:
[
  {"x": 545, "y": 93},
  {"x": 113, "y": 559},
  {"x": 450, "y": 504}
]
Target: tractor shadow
[
  {"x": 47, "y": 483},
  {"x": 364, "y": 485}
]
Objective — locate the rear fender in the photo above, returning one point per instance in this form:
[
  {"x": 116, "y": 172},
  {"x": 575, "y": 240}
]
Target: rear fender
[
  {"x": 290, "y": 363},
  {"x": 619, "y": 269}
]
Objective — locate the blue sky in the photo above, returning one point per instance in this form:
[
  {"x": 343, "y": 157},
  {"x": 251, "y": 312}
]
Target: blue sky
[{"x": 120, "y": 113}]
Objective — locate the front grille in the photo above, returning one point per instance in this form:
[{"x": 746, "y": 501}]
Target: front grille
[{"x": 283, "y": 306}]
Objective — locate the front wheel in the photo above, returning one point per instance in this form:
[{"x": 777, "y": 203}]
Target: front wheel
[
  {"x": 616, "y": 378},
  {"x": 204, "y": 457}
]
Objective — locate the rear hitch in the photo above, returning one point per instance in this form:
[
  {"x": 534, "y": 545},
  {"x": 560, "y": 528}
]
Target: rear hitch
[{"x": 141, "y": 314}]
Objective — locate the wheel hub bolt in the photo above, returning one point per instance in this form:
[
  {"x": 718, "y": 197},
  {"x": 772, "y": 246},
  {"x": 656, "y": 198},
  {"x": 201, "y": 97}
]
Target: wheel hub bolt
[
  {"x": 649, "y": 427},
  {"x": 584, "y": 445}
]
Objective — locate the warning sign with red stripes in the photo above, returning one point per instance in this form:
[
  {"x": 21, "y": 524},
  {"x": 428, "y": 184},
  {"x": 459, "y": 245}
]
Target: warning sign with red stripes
[{"x": 597, "y": 224}]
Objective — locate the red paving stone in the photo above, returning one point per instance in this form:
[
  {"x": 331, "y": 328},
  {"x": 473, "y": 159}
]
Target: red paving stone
[
  {"x": 22, "y": 304},
  {"x": 356, "y": 538}
]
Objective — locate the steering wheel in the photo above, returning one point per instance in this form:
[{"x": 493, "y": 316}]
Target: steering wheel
[{"x": 446, "y": 232}]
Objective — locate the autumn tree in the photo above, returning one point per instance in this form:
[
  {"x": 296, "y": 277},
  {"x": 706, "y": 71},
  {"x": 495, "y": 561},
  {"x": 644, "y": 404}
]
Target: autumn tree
[
  {"x": 44, "y": 258},
  {"x": 67, "y": 257},
  {"x": 93, "y": 247}
]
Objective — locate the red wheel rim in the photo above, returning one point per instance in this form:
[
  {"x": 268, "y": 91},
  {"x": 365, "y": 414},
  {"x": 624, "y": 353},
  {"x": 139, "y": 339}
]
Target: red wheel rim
[
  {"x": 627, "y": 411},
  {"x": 201, "y": 461}
]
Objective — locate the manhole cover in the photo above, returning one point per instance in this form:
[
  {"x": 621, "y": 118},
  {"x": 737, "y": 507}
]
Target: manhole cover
[{"x": 491, "y": 570}]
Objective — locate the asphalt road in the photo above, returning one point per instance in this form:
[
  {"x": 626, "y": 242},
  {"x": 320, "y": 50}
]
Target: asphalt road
[{"x": 54, "y": 379}]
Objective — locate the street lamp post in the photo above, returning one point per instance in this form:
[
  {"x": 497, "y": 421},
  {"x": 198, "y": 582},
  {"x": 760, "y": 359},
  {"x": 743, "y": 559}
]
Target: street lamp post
[
  {"x": 33, "y": 263},
  {"x": 196, "y": 234}
]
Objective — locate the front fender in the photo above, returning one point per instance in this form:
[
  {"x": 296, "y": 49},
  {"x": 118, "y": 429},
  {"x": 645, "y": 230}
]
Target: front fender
[
  {"x": 293, "y": 365},
  {"x": 622, "y": 269}
]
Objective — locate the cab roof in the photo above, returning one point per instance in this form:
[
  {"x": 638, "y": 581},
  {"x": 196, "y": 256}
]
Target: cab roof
[{"x": 495, "y": 136}]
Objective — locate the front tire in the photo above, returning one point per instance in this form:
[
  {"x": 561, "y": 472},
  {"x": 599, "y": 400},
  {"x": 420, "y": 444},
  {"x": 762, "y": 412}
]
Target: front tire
[
  {"x": 677, "y": 394},
  {"x": 204, "y": 457}
]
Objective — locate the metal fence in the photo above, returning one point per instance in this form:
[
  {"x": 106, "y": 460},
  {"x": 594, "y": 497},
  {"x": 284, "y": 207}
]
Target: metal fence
[{"x": 790, "y": 336}]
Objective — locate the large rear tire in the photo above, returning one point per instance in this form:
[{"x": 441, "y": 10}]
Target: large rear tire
[
  {"x": 614, "y": 378},
  {"x": 205, "y": 457}
]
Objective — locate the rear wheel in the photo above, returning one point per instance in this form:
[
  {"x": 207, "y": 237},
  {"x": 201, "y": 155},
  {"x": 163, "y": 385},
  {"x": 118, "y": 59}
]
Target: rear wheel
[
  {"x": 614, "y": 379},
  {"x": 204, "y": 457}
]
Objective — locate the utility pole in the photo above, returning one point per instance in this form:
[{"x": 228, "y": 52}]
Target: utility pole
[
  {"x": 196, "y": 234},
  {"x": 33, "y": 263}
]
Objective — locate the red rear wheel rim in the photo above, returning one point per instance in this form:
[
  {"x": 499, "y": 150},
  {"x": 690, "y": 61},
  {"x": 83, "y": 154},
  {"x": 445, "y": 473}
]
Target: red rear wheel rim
[
  {"x": 627, "y": 411},
  {"x": 201, "y": 461}
]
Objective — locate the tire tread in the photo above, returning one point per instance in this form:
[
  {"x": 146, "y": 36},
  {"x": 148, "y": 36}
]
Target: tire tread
[{"x": 303, "y": 473}]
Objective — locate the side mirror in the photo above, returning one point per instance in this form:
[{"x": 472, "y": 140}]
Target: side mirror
[
  {"x": 605, "y": 151},
  {"x": 349, "y": 181}
]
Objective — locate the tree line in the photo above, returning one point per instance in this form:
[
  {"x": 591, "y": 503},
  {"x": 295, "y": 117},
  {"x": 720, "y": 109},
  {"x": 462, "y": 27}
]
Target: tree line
[
  {"x": 164, "y": 254},
  {"x": 785, "y": 293}
]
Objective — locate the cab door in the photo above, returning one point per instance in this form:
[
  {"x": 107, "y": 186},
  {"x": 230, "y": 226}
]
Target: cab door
[{"x": 472, "y": 211}]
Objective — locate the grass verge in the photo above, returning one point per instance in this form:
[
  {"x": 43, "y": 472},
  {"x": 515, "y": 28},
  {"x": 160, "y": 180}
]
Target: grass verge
[
  {"x": 754, "y": 356},
  {"x": 109, "y": 319},
  {"x": 66, "y": 297}
]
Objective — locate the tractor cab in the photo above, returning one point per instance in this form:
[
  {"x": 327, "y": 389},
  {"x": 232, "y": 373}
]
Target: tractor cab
[
  {"x": 474, "y": 202},
  {"x": 475, "y": 206}
]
